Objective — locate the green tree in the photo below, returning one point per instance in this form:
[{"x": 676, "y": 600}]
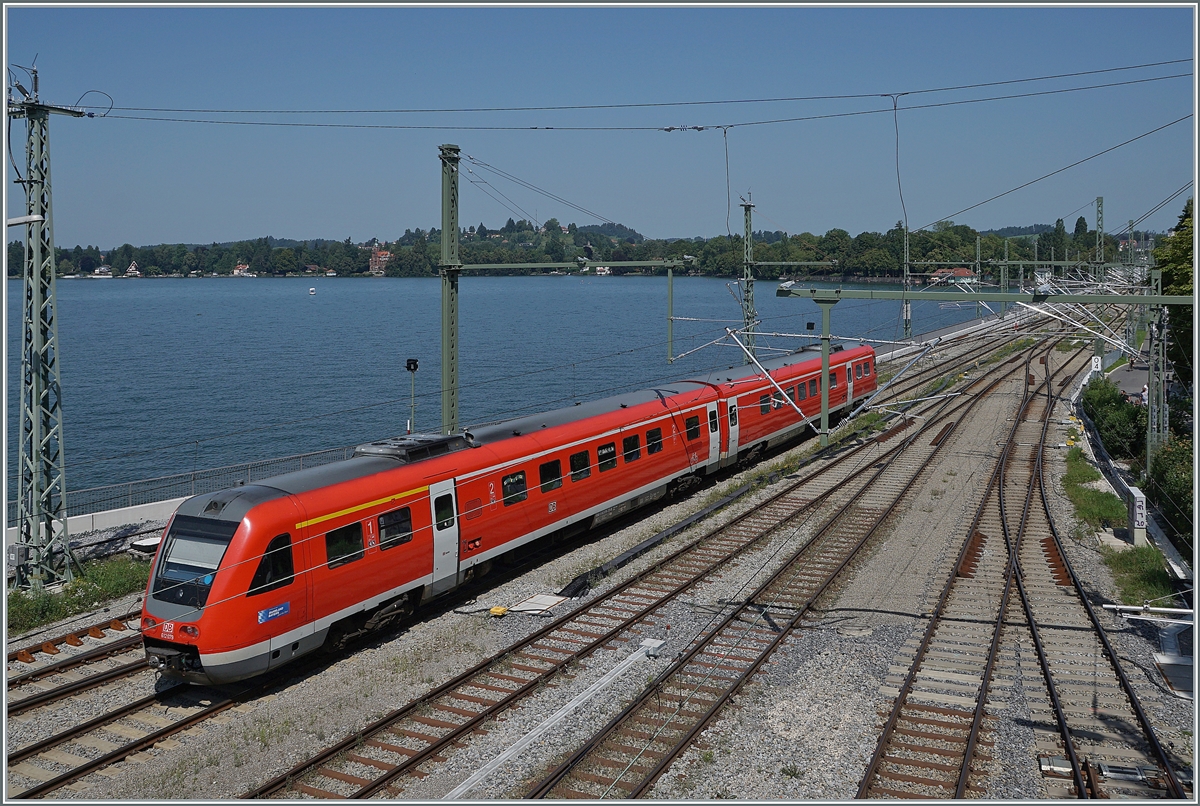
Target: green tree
[
  {"x": 16, "y": 258},
  {"x": 1175, "y": 257},
  {"x": 1171, "y": 483},
  {"x": 1121, "y": 424},
  {"x": 283, "y": 261},
  {"x": 1052, "y": 245}
]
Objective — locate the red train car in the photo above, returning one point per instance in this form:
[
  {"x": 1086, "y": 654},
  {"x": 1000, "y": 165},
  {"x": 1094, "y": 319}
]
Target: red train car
[{"x": 249, "y": 578}]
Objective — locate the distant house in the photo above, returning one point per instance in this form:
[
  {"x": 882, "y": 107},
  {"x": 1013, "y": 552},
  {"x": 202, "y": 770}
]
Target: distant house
[
  {"x": 312, "y": 268},
  {"x": 241, "y": 269},
  {"x": 958, "y": 276},
  {"x": 379, "y": 259},
  {"x": 132, "y": 271}
]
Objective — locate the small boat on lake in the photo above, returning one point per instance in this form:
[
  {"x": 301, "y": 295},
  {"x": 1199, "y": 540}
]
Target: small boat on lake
[{"x": 312, "y": 291}]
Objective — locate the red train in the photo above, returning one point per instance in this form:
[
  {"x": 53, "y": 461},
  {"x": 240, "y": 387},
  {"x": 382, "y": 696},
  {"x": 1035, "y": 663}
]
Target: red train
[{"x": 249, "y": 578}]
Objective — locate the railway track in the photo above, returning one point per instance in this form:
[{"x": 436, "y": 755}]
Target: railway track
[
  {"x": 1012, "y": 577},
  {"x": 61, "y": 760},
  {"x": 70, "y": 664},
  {"x": 628, "y": 755},
  {"x": 379, "y": 757},
  {"x": 64, "y": 758}
]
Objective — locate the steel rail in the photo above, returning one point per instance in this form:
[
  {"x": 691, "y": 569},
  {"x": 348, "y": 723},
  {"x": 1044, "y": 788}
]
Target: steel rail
[
  {"x": 61, "y": 692},
  {"x": 281, "y": 781},
  {"x": 384, "y": 781},
  {"x": 977, "y": 724},
  {"x": 314, "y": 763},
  {"x": 888, "y": 730},
  {"x": 1035, "y": 634},
  {"x": 1172, "y": 780},
  {"x": 114, "y": 648},
  {"x": 560, "y": 773},
  {"x": 331, "y": 752},
  {"x": 75, "y": 635},
  {"x": 127, "y": 750}
]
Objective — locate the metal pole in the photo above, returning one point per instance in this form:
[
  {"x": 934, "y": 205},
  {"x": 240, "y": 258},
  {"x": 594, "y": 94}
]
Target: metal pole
[
  {"x": 1004, "y": 279},
  {"x": 906, "y": 304},
  {"x": 450, "y": 269},
  {"x": 43, "y": 550},
  {"x": 749, "y": 314},
  {"x": 978, "y": 278},
  {"x": 670, "y": 314},
  {"x": 826, "y": 304}
]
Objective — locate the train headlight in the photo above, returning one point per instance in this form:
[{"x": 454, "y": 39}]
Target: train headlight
[
  {"x": 148, "y": 623},
  {"x": 190, "y": 629}
]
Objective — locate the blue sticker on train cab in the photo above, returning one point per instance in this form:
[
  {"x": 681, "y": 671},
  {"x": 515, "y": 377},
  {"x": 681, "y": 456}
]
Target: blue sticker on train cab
[{"x": 274, "y": 612}]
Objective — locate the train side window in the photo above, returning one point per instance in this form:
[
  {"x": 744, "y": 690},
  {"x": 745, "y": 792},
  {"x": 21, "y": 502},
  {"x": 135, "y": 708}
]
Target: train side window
[
  {"x": 732, "y": 414},
  {"x": 606, "y": 456},
  {"x": 833, "y": 380},
  {"x": 776, "y": 400},
  {"x": 712, "y": 421},
  {"x": 275, "y": 569},
  {"x": 791, "y": 393},
  {"x": 858, "y": 370},
  {"x": 866, "y": 368},
  {"x": 443, "y": 511},
  {"x": 631, "y": 448},
  {"x": 692, "y": 426},
  {"x": 344, "y": 545},
  {"x": 654, "y": 440},
  {"x": 801, "y": 391},
  {"x": 812, "y": 388},
  {"x": 395, "y": 527},
  {"x": 764, "y": 404},
  {"x": 581, "y": 466},
  {"x": 513, "y": 486},
  {"x": 550, "y": 475}
]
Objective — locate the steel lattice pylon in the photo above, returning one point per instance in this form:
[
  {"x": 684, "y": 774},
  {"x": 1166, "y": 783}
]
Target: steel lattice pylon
[{"x": 42, "y": 552}]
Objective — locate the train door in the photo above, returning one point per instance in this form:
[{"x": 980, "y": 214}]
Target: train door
[
  {"x": 733, "y": 429},
  {"x": 714, "y": 437},
  {"x": 445, "y": 535},
  {"x": 849, "y": 384}
]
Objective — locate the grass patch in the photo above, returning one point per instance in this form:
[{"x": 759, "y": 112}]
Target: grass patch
[
  {"x": 1008, "y": 349},
  {"x": 102, "y": 581},
  {"x": 1097, "y": 508},
  {"x": 1140, "y": 573}
]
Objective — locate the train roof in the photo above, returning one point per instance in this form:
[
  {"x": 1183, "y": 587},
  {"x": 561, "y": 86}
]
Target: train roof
[
  {"x": 530, "y": 423},
  {"x": 233, "y": 503}
]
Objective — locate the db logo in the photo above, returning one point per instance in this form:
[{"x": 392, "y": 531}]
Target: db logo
[
  {"x": 168, "y": 628},
  {"x": 553, "y": 506}
]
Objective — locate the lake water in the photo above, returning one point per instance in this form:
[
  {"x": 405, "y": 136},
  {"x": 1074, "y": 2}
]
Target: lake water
[{"x": 172, "y": 375}]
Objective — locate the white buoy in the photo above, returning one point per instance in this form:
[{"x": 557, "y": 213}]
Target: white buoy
[{"x": 312, "y": 291}]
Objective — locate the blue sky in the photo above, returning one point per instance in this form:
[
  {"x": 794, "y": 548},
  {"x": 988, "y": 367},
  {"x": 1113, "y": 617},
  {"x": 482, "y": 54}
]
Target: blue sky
[{"x": 119, "y": 180}]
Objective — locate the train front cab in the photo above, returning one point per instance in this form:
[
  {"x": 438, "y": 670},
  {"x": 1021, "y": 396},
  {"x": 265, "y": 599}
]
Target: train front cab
[{"x": 228, "y": 594}]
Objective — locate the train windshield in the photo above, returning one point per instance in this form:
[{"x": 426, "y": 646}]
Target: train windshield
[{"x": 190, "y": 559}]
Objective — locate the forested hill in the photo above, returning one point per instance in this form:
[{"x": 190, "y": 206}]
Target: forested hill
[{"x": 416, "y": 252}]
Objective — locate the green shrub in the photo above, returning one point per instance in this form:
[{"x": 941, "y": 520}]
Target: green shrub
[
  {"x": 1120, "y": 424},
  {"x": 1170, "y": 485},
  {"x": 102, "y": 581},
  {"x": 1140, "y": 573},
  {"x": 1096, "y": 508}
]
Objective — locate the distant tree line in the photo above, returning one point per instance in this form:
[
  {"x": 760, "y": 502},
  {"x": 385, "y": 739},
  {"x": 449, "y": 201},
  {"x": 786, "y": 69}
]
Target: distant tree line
[{"x": 417, "y": 252}]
